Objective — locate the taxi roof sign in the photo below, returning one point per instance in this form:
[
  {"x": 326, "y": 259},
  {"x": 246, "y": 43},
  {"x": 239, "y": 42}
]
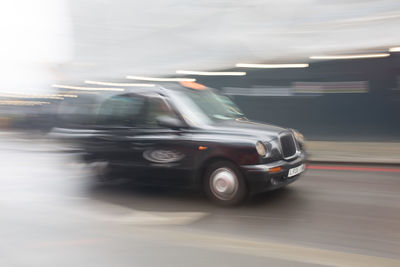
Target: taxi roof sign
[{"x": 193, "y": 85}]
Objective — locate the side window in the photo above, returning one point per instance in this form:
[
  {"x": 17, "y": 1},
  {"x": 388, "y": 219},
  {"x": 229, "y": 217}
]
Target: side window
[
  {"x": 121, "y": 111},
  {"x": 157, "y": 107}
]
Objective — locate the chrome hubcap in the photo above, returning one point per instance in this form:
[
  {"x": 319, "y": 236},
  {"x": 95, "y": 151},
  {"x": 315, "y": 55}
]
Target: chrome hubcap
[{"x": 224, "y": 183}]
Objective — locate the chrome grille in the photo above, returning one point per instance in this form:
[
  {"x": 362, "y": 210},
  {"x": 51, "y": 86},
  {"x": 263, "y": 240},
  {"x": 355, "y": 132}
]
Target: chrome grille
[{"x": 288, "y": 145}]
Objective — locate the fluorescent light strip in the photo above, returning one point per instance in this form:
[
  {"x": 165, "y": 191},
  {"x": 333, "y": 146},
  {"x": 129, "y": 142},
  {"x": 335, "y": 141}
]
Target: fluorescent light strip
[
  {"x": 67, "y": 95},
  {"x": 22, "y": 103},
  {"x": 271, "y": 66},
  {"x": 161, "y": 79},
  {"x": 351, "y": 56},
  {"x": 86, "y": 88},
  {"x": 22, "y": 95},
  {"x": 212, "y": 73},
  {"x": 394, "y": 49},
  {"x": 121, "y": 84}
]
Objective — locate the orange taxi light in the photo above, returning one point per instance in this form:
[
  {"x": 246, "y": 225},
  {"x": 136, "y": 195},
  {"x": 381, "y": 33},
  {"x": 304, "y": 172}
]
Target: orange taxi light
[
  {"x": 193, "y": 85},
  {"x": 275, "y": 169}
]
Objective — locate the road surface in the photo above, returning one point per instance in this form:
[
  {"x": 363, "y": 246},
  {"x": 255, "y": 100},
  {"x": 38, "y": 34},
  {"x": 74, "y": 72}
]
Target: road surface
[{"x": 53, "y": 214}]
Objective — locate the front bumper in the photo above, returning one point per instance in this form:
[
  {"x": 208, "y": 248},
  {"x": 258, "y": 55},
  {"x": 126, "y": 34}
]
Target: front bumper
[{"x": 260, "y": 178}]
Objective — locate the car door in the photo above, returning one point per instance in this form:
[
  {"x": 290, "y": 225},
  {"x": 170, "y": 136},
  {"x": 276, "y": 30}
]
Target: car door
[
  {"x": 166, "y": 154},
  {"x": 117, "y": 125}
]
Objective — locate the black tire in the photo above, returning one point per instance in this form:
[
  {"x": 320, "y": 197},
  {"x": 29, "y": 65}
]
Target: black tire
[{"x": 222, "y": 172}]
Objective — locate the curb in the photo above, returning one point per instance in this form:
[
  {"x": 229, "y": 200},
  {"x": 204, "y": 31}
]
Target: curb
[{"x": 362, "y": 163}]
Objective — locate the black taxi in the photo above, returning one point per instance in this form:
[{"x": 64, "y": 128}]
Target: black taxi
[{"x": 188, "y": 135}]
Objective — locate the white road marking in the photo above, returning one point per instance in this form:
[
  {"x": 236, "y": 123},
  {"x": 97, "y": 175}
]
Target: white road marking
[
  {"x": 157, "y": 218},
  {"x": 95, "y": 210},
  {"x": 125, "y": 215}
]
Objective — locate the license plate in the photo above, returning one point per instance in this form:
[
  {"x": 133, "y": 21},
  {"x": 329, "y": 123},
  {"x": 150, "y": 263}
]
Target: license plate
[{"x": 296, "y": 170}]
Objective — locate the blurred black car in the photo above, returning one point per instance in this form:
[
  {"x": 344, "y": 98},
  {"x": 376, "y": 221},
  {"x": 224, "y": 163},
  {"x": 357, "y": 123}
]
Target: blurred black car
[{"x": 188, "y": 136}]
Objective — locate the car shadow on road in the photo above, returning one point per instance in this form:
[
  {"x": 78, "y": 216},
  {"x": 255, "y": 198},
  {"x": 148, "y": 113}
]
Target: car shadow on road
[{"x": 166, "y": 199}]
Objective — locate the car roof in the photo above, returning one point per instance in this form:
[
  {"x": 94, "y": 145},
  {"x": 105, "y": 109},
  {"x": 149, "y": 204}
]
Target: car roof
[{"x": 158, "y": 88}]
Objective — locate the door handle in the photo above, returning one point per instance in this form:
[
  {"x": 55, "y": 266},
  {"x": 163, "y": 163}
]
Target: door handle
[{"x": 141, "y": 144}]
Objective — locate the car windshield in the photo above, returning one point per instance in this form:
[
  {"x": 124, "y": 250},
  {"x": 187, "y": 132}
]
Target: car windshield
[{"x": 203, "y": 106}]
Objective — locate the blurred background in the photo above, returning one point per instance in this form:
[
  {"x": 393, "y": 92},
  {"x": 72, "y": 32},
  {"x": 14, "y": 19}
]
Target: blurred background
[
  {"x": 355, "y": 98},
  {"x": 330, "y": 69}
]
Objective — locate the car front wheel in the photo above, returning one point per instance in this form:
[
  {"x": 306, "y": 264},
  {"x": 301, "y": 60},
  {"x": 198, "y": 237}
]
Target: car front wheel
[{"x": 224, "y": 183}]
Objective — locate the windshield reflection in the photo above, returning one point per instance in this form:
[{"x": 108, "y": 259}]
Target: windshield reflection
[{"x": 206, "y": 106}]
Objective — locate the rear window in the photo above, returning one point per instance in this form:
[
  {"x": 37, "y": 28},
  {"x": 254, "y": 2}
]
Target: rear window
[{"x": 121, "y": 111}]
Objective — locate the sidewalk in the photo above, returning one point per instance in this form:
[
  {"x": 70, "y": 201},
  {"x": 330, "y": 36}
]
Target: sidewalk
[
  {"x": 318, "y": 151},
  {"x": 353, "y": 152}
]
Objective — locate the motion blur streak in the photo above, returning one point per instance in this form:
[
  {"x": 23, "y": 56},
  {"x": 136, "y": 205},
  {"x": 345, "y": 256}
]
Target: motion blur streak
[
  {"x": 271, "y": 66},
  {"x": 12, "y": 95},
  {"x": 121, "y": 84},
  {"x": 350, "y": 56},
  {"x": 212, "y": 73},
  {"x": 352, "y": 168},
  {"x": 22, "y": 103},
  {"x": 67, "y": 95},
  {"x": 394, "y": 49},
  {"x": 86, "y": 88},
  {"x": 161, "y": 79}
]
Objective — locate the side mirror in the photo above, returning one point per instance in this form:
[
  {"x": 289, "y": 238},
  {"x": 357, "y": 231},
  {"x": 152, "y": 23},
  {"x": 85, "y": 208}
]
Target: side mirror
[{"x": 170, "y": 122}]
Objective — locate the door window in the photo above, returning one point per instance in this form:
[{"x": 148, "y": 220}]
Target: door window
[
  {"x": 157, "y": 107},
  {"x": 121, "y": 111}
]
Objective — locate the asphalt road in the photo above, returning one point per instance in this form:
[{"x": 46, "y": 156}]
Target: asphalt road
[{"x": 53, "y": 214}]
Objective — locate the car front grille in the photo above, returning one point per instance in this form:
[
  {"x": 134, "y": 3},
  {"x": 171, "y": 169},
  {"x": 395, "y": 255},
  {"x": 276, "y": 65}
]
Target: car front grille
[{"x": 288, "y": 145}]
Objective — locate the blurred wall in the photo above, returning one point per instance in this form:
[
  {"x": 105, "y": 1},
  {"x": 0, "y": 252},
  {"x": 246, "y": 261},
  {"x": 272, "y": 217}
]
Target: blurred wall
[{"x": 333, "y": 100}]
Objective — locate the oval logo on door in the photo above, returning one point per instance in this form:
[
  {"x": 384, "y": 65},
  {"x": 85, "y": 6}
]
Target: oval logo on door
[{"x": 163, "y": 155}]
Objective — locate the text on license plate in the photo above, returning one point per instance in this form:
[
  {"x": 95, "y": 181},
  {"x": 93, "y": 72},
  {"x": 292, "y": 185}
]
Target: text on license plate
[{"x": 296, "y": 170}]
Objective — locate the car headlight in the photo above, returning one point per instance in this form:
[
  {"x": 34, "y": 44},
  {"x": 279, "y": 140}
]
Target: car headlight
[
  {"x": 261, "y": 149},
  {"x": 299, "y": 137}
]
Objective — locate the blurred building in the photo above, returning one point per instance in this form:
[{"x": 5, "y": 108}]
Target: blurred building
[
  {"x": 67, "y": 42},
  {"x": 115, "y": 38}
]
